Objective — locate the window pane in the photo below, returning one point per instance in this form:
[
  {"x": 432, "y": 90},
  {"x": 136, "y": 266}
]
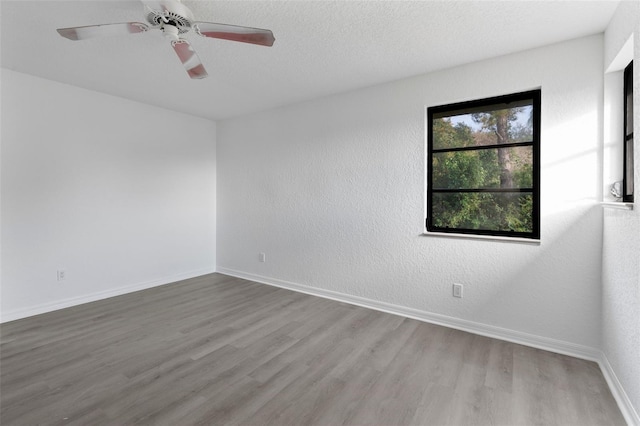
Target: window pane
[
  {"x": 483, "y": 211},
  {"x": 628, "y": 102},
  {"x": 483, "y": 168},
  {"x": 629, "y": 113},
  {"x": 481, "y": 128},
  {"x": 628, "y": 169}
]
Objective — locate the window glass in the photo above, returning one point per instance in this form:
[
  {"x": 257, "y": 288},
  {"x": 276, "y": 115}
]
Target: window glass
[
  {"x": 484, "y": 211},
  {"x": 481, "y": 168}
]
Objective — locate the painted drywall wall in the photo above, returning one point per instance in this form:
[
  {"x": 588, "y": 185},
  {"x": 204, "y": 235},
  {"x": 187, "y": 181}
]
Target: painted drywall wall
[
  {"x": 119, "y": 194},
  {"x": 621, "y": 240},
  {"x": 332, "y": 191}
]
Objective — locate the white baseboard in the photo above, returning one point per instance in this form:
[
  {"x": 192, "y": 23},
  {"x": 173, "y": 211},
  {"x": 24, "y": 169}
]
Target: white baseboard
[
  {"x": 73, "y": 301},
  {"x": 624, "y": 403},
  {"x": 540, "y": 342}
]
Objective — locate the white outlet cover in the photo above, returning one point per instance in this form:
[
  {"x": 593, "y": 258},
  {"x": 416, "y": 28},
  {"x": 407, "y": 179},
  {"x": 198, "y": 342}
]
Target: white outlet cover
[{"x": 457, "y": 290}]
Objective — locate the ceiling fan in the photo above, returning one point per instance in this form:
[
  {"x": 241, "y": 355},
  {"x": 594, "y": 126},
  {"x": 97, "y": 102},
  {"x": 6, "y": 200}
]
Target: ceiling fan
[{"x": 175, "y": 19}]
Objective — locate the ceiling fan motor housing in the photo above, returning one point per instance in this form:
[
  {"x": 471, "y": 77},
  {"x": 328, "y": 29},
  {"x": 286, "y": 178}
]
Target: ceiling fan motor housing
[{"x": 171, "y": 13}]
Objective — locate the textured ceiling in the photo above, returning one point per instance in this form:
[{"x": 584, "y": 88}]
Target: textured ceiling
[{"x": 322, "y": 47}]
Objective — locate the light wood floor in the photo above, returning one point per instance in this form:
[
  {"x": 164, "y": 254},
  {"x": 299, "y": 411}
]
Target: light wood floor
[{"x": 220, "y": 350}]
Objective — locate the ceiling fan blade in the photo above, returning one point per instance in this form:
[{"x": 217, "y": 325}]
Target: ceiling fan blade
[
  {"x": 105, "y": 30},
  {"x": 235, "y": 33},
  {"x": 189, "y": 58}
]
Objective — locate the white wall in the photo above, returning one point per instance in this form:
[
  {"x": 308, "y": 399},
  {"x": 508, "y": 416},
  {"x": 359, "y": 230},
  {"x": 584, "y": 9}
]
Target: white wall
[
  {"x": 120, "y": 194},
  {"x": 332, "y": 191},
  {"x": 621, "y": 242}
]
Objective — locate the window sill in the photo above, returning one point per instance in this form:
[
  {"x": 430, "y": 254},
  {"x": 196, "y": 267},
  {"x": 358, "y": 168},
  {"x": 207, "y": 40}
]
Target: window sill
[
  {"x": 482, "y": 237},
  {"x": 617, "y": 205}
]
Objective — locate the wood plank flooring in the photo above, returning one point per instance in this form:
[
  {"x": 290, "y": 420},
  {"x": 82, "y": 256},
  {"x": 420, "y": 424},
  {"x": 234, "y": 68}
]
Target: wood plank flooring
[{"x": 223, "y": 351}]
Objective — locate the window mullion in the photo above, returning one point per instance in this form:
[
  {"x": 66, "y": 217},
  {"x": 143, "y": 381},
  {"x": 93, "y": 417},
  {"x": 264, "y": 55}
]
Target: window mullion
[{"x": 481, "y": 147}]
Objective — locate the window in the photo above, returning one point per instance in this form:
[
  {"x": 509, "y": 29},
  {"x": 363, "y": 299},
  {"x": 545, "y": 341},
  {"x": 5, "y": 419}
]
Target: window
[
  {"x": 627, "y": 181},
  {"x": 483, "y": 167}
]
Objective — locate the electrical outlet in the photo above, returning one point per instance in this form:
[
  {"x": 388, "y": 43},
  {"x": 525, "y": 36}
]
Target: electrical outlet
[
  {"x": 262, "y": 257},
  {"x": 62, "y": 274},
  {"x": 457, "y": 290}
]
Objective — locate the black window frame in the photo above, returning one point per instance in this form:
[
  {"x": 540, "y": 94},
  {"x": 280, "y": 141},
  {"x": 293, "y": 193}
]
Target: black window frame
[
  {"x": 478, "y": 105},
  {"x": 627, "y": 168}
]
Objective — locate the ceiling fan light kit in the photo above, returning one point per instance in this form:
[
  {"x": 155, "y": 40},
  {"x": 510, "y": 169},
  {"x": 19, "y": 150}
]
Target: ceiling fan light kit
[{"x": 175, "y": 19}]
